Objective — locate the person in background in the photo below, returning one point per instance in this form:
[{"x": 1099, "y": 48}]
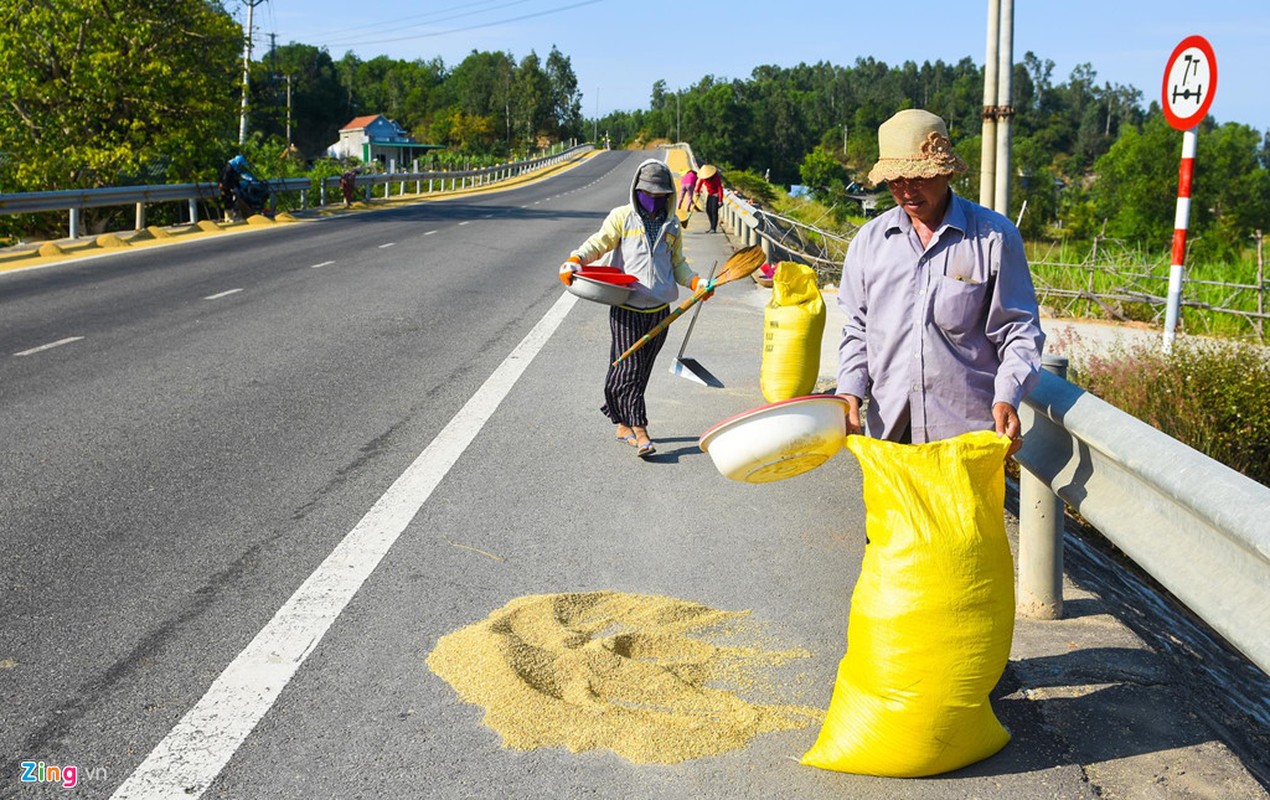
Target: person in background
[
  {"x": 348, "y": 185},
  {"x": 644, "y": 240},
  {"x": 711, "y": 182},
  {"x": 229, "y": 183},
  {"x": 942, "y": 332},
  {"x": 687, "y": 195}
]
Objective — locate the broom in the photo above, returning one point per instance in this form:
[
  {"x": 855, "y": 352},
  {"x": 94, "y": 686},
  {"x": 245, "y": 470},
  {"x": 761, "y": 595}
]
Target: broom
[{"x": 740, "y": 264}]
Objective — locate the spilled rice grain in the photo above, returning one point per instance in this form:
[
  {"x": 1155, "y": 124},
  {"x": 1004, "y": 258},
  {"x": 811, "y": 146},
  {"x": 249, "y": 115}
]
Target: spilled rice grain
[{"x": 617, "y": 671}]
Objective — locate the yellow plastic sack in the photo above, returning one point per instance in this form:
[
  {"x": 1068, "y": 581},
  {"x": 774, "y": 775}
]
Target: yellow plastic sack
[
  {"x": 932, "y": 615},
  {"x": 793, "y": 325}
]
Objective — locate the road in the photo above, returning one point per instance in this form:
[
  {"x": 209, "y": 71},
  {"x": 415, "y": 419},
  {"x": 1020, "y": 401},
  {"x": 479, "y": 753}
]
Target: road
[
  {"x": 227, "y": 411},
  {"x": 249, "y": 481}
]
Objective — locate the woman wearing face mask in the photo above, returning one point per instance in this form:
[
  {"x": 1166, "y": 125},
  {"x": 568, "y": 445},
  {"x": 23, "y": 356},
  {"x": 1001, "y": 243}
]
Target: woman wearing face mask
[{"x": 642, "y": 239}]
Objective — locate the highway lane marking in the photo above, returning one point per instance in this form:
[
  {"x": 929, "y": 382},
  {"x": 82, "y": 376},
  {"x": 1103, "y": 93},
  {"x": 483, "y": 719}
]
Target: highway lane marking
[
  {"x": 222, "y": 294},
  {"x": 466, "y": 222},
  {"x": 323, "y": 264},
  {"x": 49, "y": 346},
  {"x": 429, "y": 233},
  {"x": 390, "y": 244},
  {"x": 194, "y": 752}
]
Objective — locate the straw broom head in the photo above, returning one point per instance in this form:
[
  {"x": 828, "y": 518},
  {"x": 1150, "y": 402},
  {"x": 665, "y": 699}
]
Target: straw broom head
[{"x": 741, "y": 264}]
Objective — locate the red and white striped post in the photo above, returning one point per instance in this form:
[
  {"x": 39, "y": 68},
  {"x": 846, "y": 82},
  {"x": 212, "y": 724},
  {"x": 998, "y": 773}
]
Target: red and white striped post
[
  {"x": 1190, "y": 81},
  {"x": 1181, "y": 221}
]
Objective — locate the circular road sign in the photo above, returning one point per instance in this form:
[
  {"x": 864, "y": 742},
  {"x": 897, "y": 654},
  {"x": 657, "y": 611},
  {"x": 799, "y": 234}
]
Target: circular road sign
[{"x": 1190, "y": 81}]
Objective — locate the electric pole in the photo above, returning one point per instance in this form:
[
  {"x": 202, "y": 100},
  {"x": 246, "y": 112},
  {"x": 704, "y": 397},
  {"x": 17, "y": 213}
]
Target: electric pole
[{"x": 242, "y": 119}]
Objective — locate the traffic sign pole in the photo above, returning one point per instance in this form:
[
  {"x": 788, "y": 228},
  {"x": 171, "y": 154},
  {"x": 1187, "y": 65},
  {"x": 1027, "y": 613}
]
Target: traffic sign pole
[
  {"x": 1190, "y": 81},
  {"x": 1185, "y": 174}
]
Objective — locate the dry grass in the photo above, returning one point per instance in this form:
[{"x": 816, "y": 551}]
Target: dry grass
[{"x": 1210, "y": 395}]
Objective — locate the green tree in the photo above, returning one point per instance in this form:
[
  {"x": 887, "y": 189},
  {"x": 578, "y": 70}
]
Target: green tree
[
  {"x": 483, "y": 88},
  {"x": 1136, "y": 185},
  {"x": 531, "y": 102},
  {"x": 100, "y": 93},
  {"x": 318, "y": 110},
  {"x": 566, "y": 100},
  {"x": 822, "y": 174}
]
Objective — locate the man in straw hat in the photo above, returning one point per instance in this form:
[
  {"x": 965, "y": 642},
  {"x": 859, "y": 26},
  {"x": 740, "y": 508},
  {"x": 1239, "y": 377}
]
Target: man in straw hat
[{"x": 943, "y": 333}]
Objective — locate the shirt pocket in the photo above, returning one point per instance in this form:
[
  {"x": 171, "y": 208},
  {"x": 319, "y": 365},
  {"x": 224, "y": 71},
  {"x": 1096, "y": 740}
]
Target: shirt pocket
[{"x": 960, "y": 305}]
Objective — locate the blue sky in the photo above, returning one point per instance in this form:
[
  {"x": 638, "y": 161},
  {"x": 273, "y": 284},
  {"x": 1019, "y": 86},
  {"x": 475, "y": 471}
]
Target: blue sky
[{"x": 618, "y": 49}]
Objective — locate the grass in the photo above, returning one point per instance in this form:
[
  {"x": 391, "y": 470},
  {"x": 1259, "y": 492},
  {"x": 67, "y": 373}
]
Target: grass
[
  {"x": 1115, "y": 281},
  {"x": 1212, "y": 396}
]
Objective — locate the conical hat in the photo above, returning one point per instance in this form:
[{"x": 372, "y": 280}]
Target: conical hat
[{"x": 708, "y": 171}]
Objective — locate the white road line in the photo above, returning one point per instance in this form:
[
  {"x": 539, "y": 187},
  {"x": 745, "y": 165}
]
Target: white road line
[
  {"x": 429, "y": 233},
  {"x": 222, "y": 294},
  {"x": 323, "y": 264},
  {"x": 390, "y": 244},
  {"x": 49, "y": 346},
  {"x": 194, "y": 752},
  {"x": 466, "y": 222}
]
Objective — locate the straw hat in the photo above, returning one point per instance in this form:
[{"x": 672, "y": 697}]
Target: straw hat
[
  {"x": 708, "y": 171},
  {"x": 914, "y": 144}
]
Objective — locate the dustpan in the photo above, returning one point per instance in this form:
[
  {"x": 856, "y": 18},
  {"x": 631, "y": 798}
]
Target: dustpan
[{"x": 690, "y": 368}]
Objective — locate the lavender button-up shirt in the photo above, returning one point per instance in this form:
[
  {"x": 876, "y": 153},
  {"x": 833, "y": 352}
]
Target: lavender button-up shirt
[{"x": 946, "y": 331}]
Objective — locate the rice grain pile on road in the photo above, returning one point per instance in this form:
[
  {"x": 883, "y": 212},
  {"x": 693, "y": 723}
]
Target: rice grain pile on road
[{"x": 616, "y": 671}]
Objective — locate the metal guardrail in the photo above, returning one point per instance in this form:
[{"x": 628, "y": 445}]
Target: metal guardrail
[
  {"x": 1198, "y": 527},
  {"x": 75, "y": 200},
  {"x": 780, "y": 237}
]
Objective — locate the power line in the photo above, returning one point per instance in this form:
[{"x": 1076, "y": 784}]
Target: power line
[
  {"x": 468, "y": 28},
  {"x": 431, "y": 16}
]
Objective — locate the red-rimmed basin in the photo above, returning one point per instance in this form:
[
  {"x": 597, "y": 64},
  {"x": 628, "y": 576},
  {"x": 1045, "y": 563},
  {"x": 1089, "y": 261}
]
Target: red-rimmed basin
[
  {"x": 779, "y": 440},
  {"x": 606, "y": 275},
  {"x": 598, "y": 291}
]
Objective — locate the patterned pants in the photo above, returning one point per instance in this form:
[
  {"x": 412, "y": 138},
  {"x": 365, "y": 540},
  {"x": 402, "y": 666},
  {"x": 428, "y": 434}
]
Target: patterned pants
[{"x": 624, "y": 385}]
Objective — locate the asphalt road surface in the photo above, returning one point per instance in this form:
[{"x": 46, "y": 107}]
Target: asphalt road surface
[
  {"x": 191, "y": 431},
  {"x": 247, "y": 482}
]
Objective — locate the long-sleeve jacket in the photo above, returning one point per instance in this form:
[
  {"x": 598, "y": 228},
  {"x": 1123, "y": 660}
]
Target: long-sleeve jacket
[{"x": 658, "y": 262}]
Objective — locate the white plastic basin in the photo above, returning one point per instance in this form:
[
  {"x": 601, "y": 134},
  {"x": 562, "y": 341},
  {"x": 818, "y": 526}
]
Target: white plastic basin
[
  {"x": 599, "y": 291},
  {"x": 778, "y": 441}
]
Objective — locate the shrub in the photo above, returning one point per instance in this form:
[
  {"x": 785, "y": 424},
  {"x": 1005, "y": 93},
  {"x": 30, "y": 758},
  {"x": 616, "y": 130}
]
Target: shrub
[{"x": 1211, "y": 396}]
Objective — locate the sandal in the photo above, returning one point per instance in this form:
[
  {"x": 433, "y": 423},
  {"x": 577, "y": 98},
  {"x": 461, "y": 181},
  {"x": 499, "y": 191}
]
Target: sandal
[
  {"x": 645, "y": 450},
  {"x": 630, "y": 439}
]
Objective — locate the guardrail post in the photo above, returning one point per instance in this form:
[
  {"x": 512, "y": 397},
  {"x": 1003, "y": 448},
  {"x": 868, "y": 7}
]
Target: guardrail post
[
  {"x": 141, "y": 216},
  {"x": 1041, "y": 521},
  {"x": 193, "y": 211},
  {"x": 74, "y": 223}
]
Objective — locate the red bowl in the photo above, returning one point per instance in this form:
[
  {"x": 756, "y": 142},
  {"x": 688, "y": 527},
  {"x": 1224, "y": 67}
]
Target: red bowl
[{"x": 611, "y": 275}]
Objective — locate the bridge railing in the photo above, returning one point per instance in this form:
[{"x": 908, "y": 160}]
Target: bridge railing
[
  {"x": 76, "y": 200},
  {"x": 1199, "y": 528}
]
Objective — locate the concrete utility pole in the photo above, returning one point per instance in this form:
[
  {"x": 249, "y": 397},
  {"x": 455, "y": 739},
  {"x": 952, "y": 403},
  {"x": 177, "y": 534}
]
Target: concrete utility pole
[
  {"x": 988, "y": 151},
  {"x": 1005, "y": 106},
  {"x": 242, "y": 118},
  {"x": 998, "y": 71}
]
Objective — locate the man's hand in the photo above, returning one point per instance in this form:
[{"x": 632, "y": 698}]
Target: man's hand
[
  {"x": 853, "y": 414},
  {"x": 1007, "y": 423}
]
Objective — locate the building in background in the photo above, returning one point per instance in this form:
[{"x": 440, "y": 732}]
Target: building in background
[{"x": 379, "y": 139}]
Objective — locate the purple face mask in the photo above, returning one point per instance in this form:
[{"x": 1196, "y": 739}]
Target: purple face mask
[{"x": 651, "y": 203}]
